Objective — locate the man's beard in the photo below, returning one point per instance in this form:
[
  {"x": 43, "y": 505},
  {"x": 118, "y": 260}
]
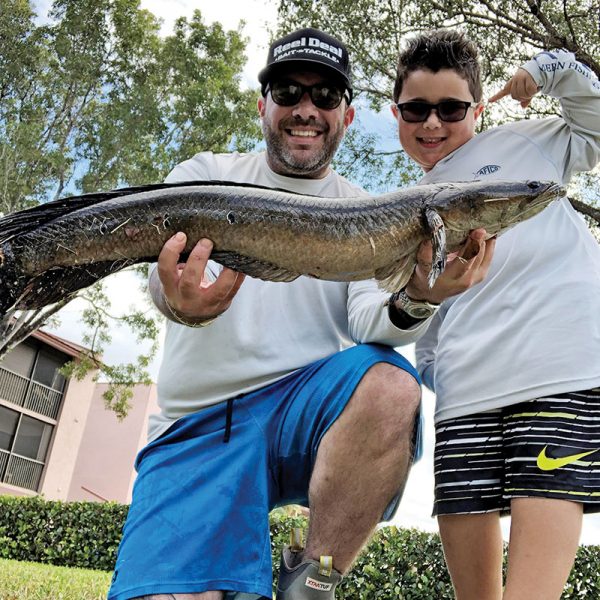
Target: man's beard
[{"x": 281, "y": 156}]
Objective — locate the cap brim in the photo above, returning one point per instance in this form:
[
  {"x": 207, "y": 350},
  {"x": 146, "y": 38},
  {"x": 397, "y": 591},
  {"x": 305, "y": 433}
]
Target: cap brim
[{"x": 301, "y": 65}]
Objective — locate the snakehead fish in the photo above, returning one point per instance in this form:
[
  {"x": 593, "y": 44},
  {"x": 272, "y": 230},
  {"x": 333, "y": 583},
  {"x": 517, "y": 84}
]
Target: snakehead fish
[{"x": 49, "y": 252}]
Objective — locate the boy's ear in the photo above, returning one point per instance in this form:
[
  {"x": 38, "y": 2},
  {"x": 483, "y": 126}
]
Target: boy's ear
[
  {"x": 478, "y": 110},
  {"x": 394, "y": 110}
]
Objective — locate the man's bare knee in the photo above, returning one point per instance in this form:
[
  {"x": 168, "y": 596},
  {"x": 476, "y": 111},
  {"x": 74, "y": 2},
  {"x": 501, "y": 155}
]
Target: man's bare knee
[
  {"x": 216, "y": 595},
  {"x": 387, "y": 389},
  {"x": 386, "y": 400}
]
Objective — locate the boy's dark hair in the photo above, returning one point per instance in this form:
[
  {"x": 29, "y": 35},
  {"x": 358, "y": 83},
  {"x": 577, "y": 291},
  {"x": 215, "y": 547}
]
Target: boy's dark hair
[{"x": 440, "y": 49}]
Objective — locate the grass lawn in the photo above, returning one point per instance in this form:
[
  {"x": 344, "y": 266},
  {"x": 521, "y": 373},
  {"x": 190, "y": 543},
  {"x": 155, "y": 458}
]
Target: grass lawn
[{"x": 35, "y": 581}]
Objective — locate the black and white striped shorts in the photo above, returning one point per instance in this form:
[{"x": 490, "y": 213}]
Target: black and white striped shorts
[{"x": 548, "y": 447}]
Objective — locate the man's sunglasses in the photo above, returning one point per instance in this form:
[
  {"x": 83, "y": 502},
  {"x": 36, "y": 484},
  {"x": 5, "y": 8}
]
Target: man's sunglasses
[
  {"x": 449, "y": 111},
  {"x": 323, "y": 95}
]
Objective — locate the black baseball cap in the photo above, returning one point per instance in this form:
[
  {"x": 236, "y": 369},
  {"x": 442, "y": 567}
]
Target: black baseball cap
[{"x": 307, "y": 48}]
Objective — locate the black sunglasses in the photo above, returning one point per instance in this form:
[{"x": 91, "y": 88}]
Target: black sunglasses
[
  {"x": 323, "y": 95},
  {"x": 450, "y": 111}
]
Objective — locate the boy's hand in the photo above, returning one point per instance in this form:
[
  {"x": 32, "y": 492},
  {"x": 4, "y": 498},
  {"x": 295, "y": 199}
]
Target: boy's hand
[{"x": 521, "y": 86}]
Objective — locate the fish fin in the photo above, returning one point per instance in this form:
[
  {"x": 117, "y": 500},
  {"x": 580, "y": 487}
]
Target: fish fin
[
  {"x": 395, "y": 277},
  {"x": 62, "y": 282},
  {"x": 252, "y": 266},
  {"x": 437, "y": 230},
  {"x": 23, "y": 221}
]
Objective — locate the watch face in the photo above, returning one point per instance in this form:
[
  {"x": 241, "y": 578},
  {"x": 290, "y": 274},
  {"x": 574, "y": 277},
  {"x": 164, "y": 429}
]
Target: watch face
[
  {"x": 414, "y": 308},
  {"x": 420, "y": 312}
]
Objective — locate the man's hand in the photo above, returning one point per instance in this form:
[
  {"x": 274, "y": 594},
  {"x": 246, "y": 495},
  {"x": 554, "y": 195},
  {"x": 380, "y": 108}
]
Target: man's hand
[
  {"x": 464, "y": 269},
  {"x": 185, "y": 286},
  {"x": 521, "y": 86}
]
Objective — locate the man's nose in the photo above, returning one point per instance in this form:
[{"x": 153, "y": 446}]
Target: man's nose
[{"x": 305, "y": 107}]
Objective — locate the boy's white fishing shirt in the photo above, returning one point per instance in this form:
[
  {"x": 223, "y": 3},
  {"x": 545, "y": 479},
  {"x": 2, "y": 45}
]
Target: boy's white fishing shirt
[
  {"x": 271, "y": 328},
  {"x": 532, "y": 327}
]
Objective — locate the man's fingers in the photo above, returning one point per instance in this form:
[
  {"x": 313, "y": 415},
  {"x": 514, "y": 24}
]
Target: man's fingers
[
  {"x": 192, "y": 273},
  {"x": 168, "y": 261},
  {"x": 225, "y": 287}
]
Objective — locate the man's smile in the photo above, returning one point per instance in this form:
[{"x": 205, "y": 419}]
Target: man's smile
[{"x": 303, "y": 133}]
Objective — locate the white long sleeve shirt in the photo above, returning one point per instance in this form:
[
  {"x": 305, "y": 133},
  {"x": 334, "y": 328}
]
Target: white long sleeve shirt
[
  {"x": 532, "y": 327},
  {"x": 271, "y": 328}
]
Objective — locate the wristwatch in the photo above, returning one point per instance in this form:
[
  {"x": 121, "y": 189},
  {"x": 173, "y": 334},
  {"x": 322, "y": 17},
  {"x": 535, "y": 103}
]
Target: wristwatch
[{"x": 417, "y": 309}]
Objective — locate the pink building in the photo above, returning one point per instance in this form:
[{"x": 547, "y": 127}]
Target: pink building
[{"x": 56, "y": 437}]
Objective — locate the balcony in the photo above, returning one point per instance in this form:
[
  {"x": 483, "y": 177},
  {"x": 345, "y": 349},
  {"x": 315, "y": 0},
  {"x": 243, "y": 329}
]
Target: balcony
[
  {"x": 29, "y": 394},
  {"x": 20, "y": 471}
]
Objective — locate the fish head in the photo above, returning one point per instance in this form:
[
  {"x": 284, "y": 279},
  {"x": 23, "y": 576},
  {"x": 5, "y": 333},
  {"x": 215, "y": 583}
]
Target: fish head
[{"x": 495, "y": 206}]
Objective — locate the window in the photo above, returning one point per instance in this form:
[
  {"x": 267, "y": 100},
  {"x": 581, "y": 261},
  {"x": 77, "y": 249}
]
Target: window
[
  {"x": 46, "y": 370},
  {"x": 20, "y": 359},
  {"x": 32, "y": 439},
  {"x": 8, "y": 426},
  {"x": 24, "y": 444},
  {"x": 30, "y": 381}
]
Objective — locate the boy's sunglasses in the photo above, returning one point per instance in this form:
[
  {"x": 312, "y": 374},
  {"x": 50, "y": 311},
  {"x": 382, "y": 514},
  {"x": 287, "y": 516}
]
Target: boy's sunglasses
[
  {"x": 323, "y": 95},
  {"x": 450, "y": 111}
]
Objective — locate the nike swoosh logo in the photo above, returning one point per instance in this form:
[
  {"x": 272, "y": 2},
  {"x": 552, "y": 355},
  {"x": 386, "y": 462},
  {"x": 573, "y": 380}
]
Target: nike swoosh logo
[{"x": 545, "y": 463}]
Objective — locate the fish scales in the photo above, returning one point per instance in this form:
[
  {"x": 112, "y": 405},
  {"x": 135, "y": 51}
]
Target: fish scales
[
  {"x": 51, "y": 251},
  {"x": 285, "y": 232}
]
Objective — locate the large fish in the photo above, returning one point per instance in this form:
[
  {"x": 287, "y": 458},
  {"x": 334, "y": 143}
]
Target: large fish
[{"x": 49, "y": 252}]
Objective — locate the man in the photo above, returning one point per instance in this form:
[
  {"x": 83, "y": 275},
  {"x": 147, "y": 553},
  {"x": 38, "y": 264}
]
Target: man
[
  {"x": 274, "y": 393},
  {"x": 514, "y": 361}
]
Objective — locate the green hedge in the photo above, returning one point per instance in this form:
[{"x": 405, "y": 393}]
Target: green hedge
[
  {"x": 398, "y": 564},
  {"x": 73, "y": 534}
]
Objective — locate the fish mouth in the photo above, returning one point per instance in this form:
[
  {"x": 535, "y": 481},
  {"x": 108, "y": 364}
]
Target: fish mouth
[
  {"x": 529, "y": 206},
  {"x": 552, "y": 192}
]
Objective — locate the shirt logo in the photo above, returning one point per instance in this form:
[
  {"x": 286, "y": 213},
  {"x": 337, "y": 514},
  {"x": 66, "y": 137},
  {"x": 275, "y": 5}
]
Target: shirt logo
[
  {"x": 488, "y": 170},
  {"x": 318, "y": 585},
  {"x": 545, "y": 463}
]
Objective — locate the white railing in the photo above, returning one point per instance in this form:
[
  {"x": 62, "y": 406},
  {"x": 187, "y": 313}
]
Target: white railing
[
  {"x": 43, "y": 400},
  {"x": 4, "y": 456},
  {"x": 34, "y": 396},
  {"x": 23, "y": 472},
  {"x": 13, "y": 387}
]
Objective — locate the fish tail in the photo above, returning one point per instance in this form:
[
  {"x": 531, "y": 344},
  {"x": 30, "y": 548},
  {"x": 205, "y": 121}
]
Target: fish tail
[{"x": 11, "y": 285}]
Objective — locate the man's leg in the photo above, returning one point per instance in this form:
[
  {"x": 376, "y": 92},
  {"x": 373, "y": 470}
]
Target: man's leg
[
  {"x": 202, "y": 596},
  {"x": 473, "y": 552},
  {"x": 544, "y": 537},
  {"x": 362, "y": 462}
]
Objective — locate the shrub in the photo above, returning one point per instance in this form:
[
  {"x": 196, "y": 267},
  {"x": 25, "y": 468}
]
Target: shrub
[
  {"x": 398, "y": 564},
  {"x": 73, "y": 534}
]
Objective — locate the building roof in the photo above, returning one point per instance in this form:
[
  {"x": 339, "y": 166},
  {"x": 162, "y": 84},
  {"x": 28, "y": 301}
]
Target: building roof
[{"x": 69, "y": 348}]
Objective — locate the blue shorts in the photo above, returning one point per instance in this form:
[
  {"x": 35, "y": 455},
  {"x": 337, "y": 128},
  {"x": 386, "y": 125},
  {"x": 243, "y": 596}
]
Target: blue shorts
[{"x": 199, "y": 518}]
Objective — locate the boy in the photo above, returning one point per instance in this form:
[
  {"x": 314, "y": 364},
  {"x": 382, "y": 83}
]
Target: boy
[{"x": 515, "y": 360}]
